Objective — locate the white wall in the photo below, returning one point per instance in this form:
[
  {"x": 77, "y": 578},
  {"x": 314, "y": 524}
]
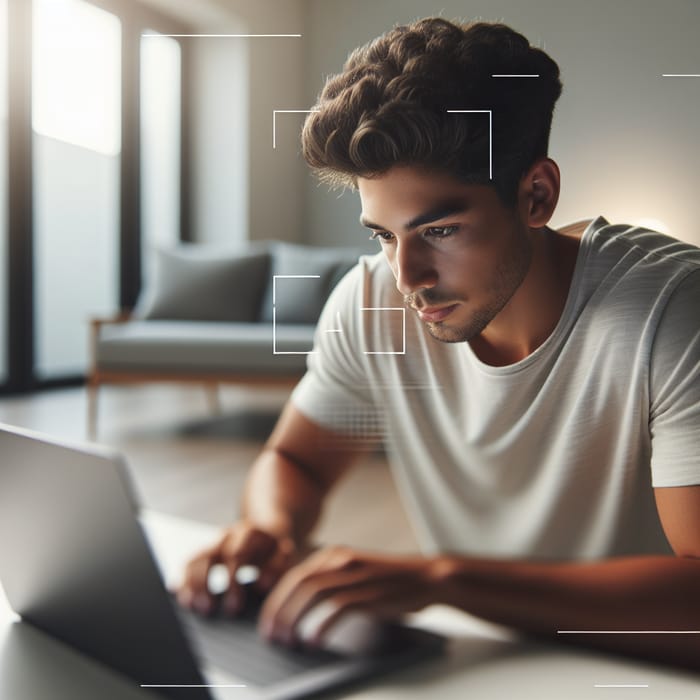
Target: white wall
[
  {"x": 243, "y": 189},
  {"x": 626, "y": 139},
  {"x": 220, "y": 157}
]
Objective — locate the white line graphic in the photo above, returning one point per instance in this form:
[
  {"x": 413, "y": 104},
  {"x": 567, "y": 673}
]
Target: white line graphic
[
  {"x": 403, "y": 329},
  {"x": 275, "y": 112},
  {"x": 339, "y": 329},
  {"x": 193, "y": 685},
  {"x": 230, "y": 36},
  {"x": 628, "y": 631}
]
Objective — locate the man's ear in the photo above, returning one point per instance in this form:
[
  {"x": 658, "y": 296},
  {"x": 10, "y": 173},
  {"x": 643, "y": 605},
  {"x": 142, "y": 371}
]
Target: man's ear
[{"x": 539, "y": 189}]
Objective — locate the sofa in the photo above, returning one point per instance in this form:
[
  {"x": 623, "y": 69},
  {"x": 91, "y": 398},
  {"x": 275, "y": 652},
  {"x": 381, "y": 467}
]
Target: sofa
[{"x": 212, "y": 315}]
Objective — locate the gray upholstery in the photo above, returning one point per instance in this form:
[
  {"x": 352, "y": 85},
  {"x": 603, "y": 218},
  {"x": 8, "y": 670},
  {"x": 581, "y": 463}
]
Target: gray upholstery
[
  {"x": 203, "y": 313},
  {"x": 300, "y": 300},
  {"x": 196, "y": 284},
  {"x": 207, "y": 313},
  {"x": 208, "y": 347}
]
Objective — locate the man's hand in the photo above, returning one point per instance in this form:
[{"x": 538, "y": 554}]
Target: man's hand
[
  {"x": 341, "y": 580},
  {"x": 282, "y": 502},
  {"x": 240, "y": 545}
]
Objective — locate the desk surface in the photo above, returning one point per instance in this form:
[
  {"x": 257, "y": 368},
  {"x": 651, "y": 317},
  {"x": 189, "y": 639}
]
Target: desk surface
[{"x": 484, "y": 661}]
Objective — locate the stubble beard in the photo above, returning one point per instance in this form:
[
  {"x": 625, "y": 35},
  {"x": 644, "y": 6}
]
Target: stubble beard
[{"x": 508, "y": 277}]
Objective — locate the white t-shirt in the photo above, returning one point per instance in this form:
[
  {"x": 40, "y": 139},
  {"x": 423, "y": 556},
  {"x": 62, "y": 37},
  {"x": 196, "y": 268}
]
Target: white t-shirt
[{"x": 554, "y": 456}]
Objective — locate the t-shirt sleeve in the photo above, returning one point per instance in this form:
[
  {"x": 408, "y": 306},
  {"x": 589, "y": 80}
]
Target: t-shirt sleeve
[
  {"x": 335, "y": 391},
  {"x": 674, "y": 384}
]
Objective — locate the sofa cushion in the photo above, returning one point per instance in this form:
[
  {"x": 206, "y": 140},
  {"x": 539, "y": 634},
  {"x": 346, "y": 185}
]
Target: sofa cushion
[
  {"x": 206, "y": 348},
  {"x": 200, "y": 283},
  {"x": 301, "y": 299}
]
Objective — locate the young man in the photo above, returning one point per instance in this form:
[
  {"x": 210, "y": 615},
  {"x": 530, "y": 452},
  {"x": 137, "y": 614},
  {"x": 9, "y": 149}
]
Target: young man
[{"x": 538, "y": 390}]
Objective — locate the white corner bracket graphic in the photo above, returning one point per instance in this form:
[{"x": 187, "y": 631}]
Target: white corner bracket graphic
[
  {"x": 339, "y": 329},
  {"x": 225, "y": 36},
  {"x": 192, "y": 685},
  {"x": 481, "y": 111},
  {"x": 403, "y": 329},
  {"x": 275, "y": 351},
  {"x": 275, "y": 112}
]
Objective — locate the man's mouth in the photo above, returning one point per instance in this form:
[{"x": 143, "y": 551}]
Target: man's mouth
[{"x": 433, "y": 314}]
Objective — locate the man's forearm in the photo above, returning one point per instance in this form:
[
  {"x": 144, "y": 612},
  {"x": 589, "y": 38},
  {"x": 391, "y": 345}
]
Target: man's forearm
[
  {"x": 624, "y": 597},
  {"x": 282, "y": 497}
]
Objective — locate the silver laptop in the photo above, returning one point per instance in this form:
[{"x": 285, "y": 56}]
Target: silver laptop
[{"x": 75, "y": 563}]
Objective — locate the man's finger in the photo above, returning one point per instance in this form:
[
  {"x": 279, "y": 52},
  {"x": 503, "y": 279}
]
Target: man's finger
[
  {"x": 303, "y": 591},
  {"x": 194, "y": 591},
  {"x": 249, "y": 547}
]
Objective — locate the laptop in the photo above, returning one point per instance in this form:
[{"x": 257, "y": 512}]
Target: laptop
[{"x": 75, "y": 563}]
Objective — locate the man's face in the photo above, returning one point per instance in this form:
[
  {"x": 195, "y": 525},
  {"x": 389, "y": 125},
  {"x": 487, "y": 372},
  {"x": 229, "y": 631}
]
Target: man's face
[{"x": 458, "y": 255}]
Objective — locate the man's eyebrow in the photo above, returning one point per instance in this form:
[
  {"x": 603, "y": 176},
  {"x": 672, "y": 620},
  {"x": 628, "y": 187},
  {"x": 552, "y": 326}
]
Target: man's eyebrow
[{"x": 438, "y": 212}]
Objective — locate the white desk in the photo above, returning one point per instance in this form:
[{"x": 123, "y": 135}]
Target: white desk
[{"x": 483, "y": 661}]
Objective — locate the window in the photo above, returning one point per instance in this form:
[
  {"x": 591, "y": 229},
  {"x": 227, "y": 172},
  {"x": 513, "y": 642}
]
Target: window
[
  {"x": 4, "y": 334},
  {"x": 76, "y": 91},
  {"x": 84, "y": 187},
  {"x": 76, "y": 77}
]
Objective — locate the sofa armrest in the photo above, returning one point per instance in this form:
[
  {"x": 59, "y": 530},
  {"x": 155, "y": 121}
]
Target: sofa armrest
[{"x": 96, "y": 323}]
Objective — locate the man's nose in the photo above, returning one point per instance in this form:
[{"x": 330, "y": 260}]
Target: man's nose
[{"x": 414, "y": 267}]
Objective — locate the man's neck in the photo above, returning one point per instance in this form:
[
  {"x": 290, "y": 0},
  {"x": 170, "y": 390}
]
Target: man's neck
[{"x": 532, "y": 313}]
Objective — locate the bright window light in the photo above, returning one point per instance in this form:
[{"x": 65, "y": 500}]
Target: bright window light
[
  {"x": 3, "y": 59},
  {"x": 76, "y": 85}
]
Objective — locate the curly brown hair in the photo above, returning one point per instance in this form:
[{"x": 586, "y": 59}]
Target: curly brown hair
[{"x": 389, "y": 106}]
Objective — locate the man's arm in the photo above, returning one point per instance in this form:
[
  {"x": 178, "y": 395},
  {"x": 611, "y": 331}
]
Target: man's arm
[
  {"x": 639, "y": 594},
  {"x": 288, "y": 482},
  {"x": 282, "y": 502},
  {"x": 629, "y": 595}
]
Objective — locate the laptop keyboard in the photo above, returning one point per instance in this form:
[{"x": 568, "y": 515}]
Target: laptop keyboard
[{"x": 234, "y": 645}]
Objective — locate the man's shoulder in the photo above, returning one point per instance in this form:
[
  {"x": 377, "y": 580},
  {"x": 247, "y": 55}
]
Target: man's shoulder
[
  {"x": 371, "y": 281},
  {"x": 633, "y": 275},
  {"x": 631, "y": 245},
  {"x": 636, "y": 264}
]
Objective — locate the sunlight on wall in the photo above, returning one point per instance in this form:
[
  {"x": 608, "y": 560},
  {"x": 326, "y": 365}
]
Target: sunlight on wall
[
  {"x": 160, "y": 141},
  {"x": 76, "y": 74}
]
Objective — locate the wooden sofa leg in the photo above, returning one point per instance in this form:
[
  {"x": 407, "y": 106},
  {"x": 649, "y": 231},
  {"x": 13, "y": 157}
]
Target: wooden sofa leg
[
  {"x": 92, "y": 388},
  {"x": 213, "y": 398}
]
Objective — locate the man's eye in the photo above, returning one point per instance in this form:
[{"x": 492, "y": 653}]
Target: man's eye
[
  {"x": 441, "y": 231},
  {"x": 381, "y": 236}
]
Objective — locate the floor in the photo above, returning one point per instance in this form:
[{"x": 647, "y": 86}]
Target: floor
[{"x": 187, "y": 462}]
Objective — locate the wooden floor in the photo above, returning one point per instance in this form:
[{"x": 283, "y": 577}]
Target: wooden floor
[{"x": 186, "y": 462}]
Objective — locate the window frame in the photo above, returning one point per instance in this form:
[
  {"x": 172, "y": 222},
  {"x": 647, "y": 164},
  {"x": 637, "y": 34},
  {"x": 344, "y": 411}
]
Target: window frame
[{"x": 20, "y": 332}]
